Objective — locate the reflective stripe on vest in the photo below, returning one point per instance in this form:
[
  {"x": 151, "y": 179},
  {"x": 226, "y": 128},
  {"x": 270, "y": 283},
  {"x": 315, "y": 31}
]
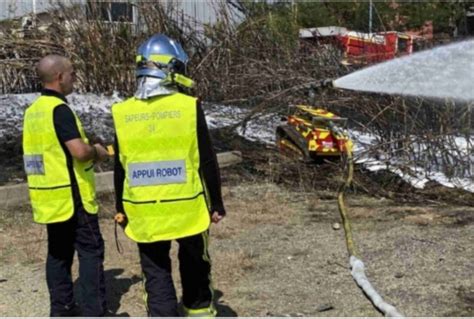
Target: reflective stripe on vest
[
  {"x": 46, "y": 166},
  {"x": 163, "y": 195}
]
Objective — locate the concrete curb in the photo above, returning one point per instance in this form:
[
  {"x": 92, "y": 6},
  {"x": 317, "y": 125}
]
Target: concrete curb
[{"x": 15, "y": 195}]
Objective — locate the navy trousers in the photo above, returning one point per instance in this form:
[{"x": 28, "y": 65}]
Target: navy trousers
[
  {"x": 194, "y": 268},
  {"x": 80, "y": 233}
]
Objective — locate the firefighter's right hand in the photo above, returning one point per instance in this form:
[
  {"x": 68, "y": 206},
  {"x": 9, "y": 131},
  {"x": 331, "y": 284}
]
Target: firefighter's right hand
[
  {"x": 101, "y": 153},
  {"x": 216, "y": 217},
  {"x": 121, "y": 219}
]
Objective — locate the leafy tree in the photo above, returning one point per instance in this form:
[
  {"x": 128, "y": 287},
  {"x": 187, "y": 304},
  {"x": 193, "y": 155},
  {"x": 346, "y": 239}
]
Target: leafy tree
[{"x": 387, "y": 15}]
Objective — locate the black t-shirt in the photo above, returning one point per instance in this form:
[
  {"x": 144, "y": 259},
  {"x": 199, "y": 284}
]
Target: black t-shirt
[
  {"x": 66, "y": 129},
  {"x": 65, "y": 124}
]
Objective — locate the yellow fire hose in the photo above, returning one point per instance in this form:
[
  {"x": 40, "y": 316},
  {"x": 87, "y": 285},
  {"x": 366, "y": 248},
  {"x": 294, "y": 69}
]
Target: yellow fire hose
[
  {"x": 341, "y": 205},
  {"x": 357, "y": 265},
  {"x": 119, "y": 218}
]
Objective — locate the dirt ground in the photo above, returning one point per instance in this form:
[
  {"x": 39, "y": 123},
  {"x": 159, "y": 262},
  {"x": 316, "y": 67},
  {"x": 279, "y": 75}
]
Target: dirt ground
[{"x": 277, "y": 254}]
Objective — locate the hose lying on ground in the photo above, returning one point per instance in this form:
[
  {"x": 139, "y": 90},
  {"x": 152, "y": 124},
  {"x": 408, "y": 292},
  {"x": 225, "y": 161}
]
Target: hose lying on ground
[
  {"x": 357, "y": 265},
  {"x": 359, "y": 276}
]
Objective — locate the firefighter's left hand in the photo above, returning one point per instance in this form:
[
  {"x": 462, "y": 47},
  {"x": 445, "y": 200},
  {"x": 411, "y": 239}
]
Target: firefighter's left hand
[{"x": 216, "y": 217}]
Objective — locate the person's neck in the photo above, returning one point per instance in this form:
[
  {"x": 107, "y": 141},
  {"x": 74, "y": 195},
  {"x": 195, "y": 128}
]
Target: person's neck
[{"x": 53, "y": 87}]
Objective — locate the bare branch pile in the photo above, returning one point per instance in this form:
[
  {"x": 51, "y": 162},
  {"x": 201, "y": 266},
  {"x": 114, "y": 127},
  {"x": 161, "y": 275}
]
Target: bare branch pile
[{"x": 258, "y": 64}]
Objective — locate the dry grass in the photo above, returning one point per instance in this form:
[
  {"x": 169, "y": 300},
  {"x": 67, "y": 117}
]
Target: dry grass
[
  {"x": 17, "y": 230},
  {"x": 276, "y": 254}
]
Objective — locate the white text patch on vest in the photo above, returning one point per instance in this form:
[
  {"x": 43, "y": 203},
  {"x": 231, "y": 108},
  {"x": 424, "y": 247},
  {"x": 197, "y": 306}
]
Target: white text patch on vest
[
  {"x": 34, "y": 164},
  {"x": 152, "y": 116},
  {"x": 156, "y": 173}
]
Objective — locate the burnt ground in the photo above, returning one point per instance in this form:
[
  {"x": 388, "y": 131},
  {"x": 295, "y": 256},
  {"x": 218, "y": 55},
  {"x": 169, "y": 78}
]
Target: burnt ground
[{"x": 277, "y": 253}]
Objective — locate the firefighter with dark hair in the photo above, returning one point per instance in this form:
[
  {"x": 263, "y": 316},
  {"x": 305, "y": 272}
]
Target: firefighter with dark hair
[{"x": 167, "y": 180}]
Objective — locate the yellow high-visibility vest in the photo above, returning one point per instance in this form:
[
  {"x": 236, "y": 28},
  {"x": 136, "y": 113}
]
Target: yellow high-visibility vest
[
  {"x": 45, "y": 162},
  {"x": 163, "y": 195}
]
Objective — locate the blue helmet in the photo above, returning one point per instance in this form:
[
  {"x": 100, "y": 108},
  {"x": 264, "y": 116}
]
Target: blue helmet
[{"x": 166, "y": 54}]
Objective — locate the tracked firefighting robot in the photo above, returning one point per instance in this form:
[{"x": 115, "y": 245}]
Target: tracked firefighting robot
[{"x": 313, "y": 134}]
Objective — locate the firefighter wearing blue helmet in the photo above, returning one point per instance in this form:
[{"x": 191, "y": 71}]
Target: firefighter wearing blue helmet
[{"x": 167, "y": 179}]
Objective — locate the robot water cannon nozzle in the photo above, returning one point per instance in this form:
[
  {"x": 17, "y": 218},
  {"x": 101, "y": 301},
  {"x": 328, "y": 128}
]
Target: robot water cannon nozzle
[{"x": 327, "y": 83}]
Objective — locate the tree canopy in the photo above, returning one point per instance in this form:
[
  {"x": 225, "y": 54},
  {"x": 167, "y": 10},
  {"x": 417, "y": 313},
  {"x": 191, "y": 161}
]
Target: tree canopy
[{"x": 386, "y": 15}]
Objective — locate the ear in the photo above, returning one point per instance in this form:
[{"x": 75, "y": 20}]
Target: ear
[{"x": 59, "y": 76}]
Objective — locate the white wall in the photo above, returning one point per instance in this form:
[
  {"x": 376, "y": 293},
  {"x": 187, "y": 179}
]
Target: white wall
[
  {"x": 13, "y": 9},
  {"x": 202, "y": 10}
]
